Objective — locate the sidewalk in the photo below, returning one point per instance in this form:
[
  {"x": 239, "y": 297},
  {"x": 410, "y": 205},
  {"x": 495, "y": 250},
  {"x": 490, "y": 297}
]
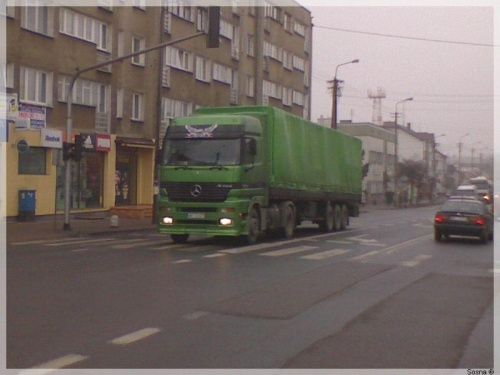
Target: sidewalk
[{"x": 80, "y": 225}]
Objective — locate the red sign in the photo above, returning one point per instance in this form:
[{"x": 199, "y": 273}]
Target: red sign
[{"x": 103, "y": 142}]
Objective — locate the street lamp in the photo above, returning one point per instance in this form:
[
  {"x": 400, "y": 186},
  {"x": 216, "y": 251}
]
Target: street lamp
[
  {"x": 335, "y": 88},
  {"x": 459, "y": 156},
  {"x": 396, "y": 173}
]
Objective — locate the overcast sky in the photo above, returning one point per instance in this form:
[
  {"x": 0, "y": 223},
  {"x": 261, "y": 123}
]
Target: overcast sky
[{"x": 451, "y": 83}]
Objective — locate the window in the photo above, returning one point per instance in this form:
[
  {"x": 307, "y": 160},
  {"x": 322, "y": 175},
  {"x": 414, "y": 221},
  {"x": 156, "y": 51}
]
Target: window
[
  {"x": 250, "y": 87},
  {"x": 202, "y": 69},
  {"x": 137, "y": 107},
  {"x": 227, "y": 30},
  {"x": 222, "y": 74},
  {"x": 287, "y": 60},
  {"x": 36, "y": 86},
  {"x": 251, "y": 45},
  {"x": 299, "y": 28},
  {"x": 83, "y": 27},
  {"x": 287, "y": 96},
  {"x": 272, "y": 89},
  {"x": 179, "y": 59},
  {"x": 202, "y": 20},
  {"x": 299, "y": 63},
  {"x": 37, "y": 18},
  {"x": 181, "y": 11},
  {"x": 298, "y": 98},
  {"x": 287, "y": 22},
  {"x": 273, "y": 51},
  {"x": 138, "y": 44},
  {"x": 84, "y": 92},
  {"x": 141, "y": 4},
  {"x": 7, "y": 76},
  {"x": 32, "y": 161},
  {"x": 171, "y": 108}
]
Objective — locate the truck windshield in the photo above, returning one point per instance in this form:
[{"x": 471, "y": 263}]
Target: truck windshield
[{"x": 202, "y": 152}]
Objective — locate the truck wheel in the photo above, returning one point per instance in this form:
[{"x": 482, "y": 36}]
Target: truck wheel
[
  {"x": 344, "y": 217},
  {"x": 179, "y": 238},
  {"x": 338, "y": 217},
  {"x": 289, "y": 227},
  {"x": 253, "y": 227},
  {"x": 327, "y": 224}
]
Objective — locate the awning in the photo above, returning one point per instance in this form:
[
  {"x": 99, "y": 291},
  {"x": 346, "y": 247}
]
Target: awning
[{"x": 134, "y": 142}]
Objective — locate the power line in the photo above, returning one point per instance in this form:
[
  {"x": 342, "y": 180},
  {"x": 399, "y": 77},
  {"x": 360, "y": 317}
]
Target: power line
[{"x": 407, "y": 37}]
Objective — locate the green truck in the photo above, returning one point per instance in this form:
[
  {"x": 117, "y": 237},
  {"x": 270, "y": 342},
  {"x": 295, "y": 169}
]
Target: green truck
[{"x": 241, "y": 171}]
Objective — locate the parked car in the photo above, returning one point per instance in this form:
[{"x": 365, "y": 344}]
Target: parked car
[
  {"x": 467, "y": 191},
  {"x": 463, "y": 216}
]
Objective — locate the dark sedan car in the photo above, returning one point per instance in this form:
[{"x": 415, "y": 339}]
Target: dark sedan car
[{"x": 463, "y": 217}]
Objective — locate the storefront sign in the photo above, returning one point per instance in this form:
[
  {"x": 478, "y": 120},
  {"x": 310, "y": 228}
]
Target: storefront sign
[
  {"x": 51, "y": 138},
  {"x": 4, "y": 131},
  {"x": 8, "y": 106},
  {"x": 31, "y": 117},
  {"x": 96, "y": 142},
  {"x": 103, "y": 142}
]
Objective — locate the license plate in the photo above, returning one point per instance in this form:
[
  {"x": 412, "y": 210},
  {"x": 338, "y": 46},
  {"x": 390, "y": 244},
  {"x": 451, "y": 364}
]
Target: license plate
[
  {"x": 195, "y": 215},
  {"x": 459, "y": 218}
]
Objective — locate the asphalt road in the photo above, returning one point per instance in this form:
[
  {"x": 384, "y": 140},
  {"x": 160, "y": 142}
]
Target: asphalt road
[{"x": 379, "y": 295}]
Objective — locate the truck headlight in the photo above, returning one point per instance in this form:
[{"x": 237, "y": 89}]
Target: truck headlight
[
  {"x": 226, "y": 221},
  {"x": 168, "y": 220}
]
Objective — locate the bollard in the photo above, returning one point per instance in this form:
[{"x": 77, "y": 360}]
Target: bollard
[{"x": 114, "y": 221}]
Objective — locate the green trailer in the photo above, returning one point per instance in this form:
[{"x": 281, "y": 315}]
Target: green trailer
[{"x": 239, "y": 171}]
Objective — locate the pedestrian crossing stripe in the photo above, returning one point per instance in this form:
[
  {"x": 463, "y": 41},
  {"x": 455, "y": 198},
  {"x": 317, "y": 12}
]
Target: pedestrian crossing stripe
[
  {"x": 288, "y": 251},
  {"x": 325, "y": 254}
]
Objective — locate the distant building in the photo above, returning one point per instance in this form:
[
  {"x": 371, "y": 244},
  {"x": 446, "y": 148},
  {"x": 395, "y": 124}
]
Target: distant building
[{"x": 264, "y": 57}]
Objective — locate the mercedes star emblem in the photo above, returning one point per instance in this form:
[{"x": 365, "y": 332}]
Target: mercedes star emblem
[{"x": 196, "y": 191}]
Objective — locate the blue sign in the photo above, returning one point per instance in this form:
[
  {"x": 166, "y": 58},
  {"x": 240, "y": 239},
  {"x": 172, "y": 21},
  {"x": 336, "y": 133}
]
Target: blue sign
[{"x": 4, "y": 131}]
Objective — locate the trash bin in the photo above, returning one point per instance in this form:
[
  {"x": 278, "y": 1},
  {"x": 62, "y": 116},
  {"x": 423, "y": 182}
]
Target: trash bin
[{"x": 27, "y": 205}]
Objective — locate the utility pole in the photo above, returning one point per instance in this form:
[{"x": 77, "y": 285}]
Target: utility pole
[
  {"x": 335, "y": 89},
  {"x": 396, "y": 156}
]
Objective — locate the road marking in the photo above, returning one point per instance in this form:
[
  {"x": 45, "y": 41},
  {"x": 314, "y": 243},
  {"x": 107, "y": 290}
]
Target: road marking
[
  {"x": 182, "y": 261},
  {"x": 415, "y": 261},
  {"x": 134, "y": 336},
  {"x": 170, "y": 246},
  {"x": 325, "y": 254},
  {"x": 196, "y": 315},
  {"x": 367, "y": 255},
  {"x": 362, "y": 240},
  {"x": 214, "y": 255},
  {"x": 288, "y": 251},
  {"x": 80, "y": 242},
  {"x": 129, "y": 246},
  {"x": 53, "y": 365},
  {"x": 420, "y": 225},
  {"x": 80, "y": 250},
  {"x": 372, "y": 244},
  {"x": 341, "y": 242},
  {"x": 47, "y": 240},
  {"x": 393, "y": 248}
]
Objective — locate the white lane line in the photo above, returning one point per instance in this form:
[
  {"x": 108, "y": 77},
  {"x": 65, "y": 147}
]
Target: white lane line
[
  {"x": 170, "y": 246},
  {"x": 80, "y": 242},
  {"x": 372, "y": 244},
  {"x": 47, "y": 240},
  {"x": 247, "y": 249},
  {"x": 367, "y": 255},
  {"x": 288, "y": 251},
  {"x": 393, "y": 248},
  {"x": 134, "y": 336},
  {"x": 53, "y": 365},
  {"x": 182, "y": 261},
  {"x": 340, "y": 242},
  {"x": 214, "y": 255},
  {"x": 325, "y": 254},
  {"x": 80, "y": 250},
  {"x": 137, "y": 244},
  {"x": 415, "y": 261},
  {"x": 196, "y": 315}
]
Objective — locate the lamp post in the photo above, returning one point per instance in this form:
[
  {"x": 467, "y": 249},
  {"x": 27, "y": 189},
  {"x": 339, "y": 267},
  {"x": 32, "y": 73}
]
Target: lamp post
[
  {"x": 459, "y": 156},
  {"x": 335, "y": 88},
  {"x": 396, "y": 172},
  {"x": 472, "y": 158}
]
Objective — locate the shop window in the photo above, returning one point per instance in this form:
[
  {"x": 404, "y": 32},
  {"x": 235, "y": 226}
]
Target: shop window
[{"x": 32, "y": 161}]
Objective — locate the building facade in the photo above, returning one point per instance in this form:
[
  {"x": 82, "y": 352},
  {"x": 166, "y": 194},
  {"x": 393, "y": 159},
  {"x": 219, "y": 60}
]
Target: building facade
[{"x": 122, "y": 110}]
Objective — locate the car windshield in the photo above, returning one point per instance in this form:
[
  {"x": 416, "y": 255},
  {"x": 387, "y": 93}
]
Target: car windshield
[
  {"x": 202, "y": 152},
  {"x": 462, "y": 206}
]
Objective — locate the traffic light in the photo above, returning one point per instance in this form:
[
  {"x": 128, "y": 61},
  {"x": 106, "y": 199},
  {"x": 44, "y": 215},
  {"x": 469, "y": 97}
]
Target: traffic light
[
  {"x": 67, "y": 151},
  {"x": 78, "y": 148},
  {"x": 213, "y": 27}
]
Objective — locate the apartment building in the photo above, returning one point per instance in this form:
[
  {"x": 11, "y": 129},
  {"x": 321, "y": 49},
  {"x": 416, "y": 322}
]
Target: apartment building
[{"x": 122, "y": 110}]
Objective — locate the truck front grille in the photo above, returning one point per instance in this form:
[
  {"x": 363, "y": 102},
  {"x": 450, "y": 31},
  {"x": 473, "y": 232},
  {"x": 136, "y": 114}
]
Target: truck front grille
[{"x": 196, "y": 192}]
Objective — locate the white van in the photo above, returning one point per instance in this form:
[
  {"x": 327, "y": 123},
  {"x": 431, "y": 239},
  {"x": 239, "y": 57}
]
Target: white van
[{"x": 467, "y": 191}]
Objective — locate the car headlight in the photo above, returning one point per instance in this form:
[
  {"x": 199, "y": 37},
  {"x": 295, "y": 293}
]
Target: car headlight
[
  {"x": 226, "y": 221},
  {"x": 167, "y": 220}
]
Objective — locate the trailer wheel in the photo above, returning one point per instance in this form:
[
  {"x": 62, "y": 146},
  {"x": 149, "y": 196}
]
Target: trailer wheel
[
  {"x": 327, "y": 225},
  {"x": 253, "y": 227},
  {"x": 179, "y": 238},
  {"x": 338, "y": 217},
  {"x": 344, "y": 220},
  {"x": 289, "y": 227}
]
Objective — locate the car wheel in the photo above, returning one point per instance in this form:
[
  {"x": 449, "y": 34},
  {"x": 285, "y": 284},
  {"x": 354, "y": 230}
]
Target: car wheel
[
  {"x": 253, "y": 227},
  {"x": 437, "y": 235},
  {"x": 484, "y": 237},
  {"x": 179, "y": 238}
]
